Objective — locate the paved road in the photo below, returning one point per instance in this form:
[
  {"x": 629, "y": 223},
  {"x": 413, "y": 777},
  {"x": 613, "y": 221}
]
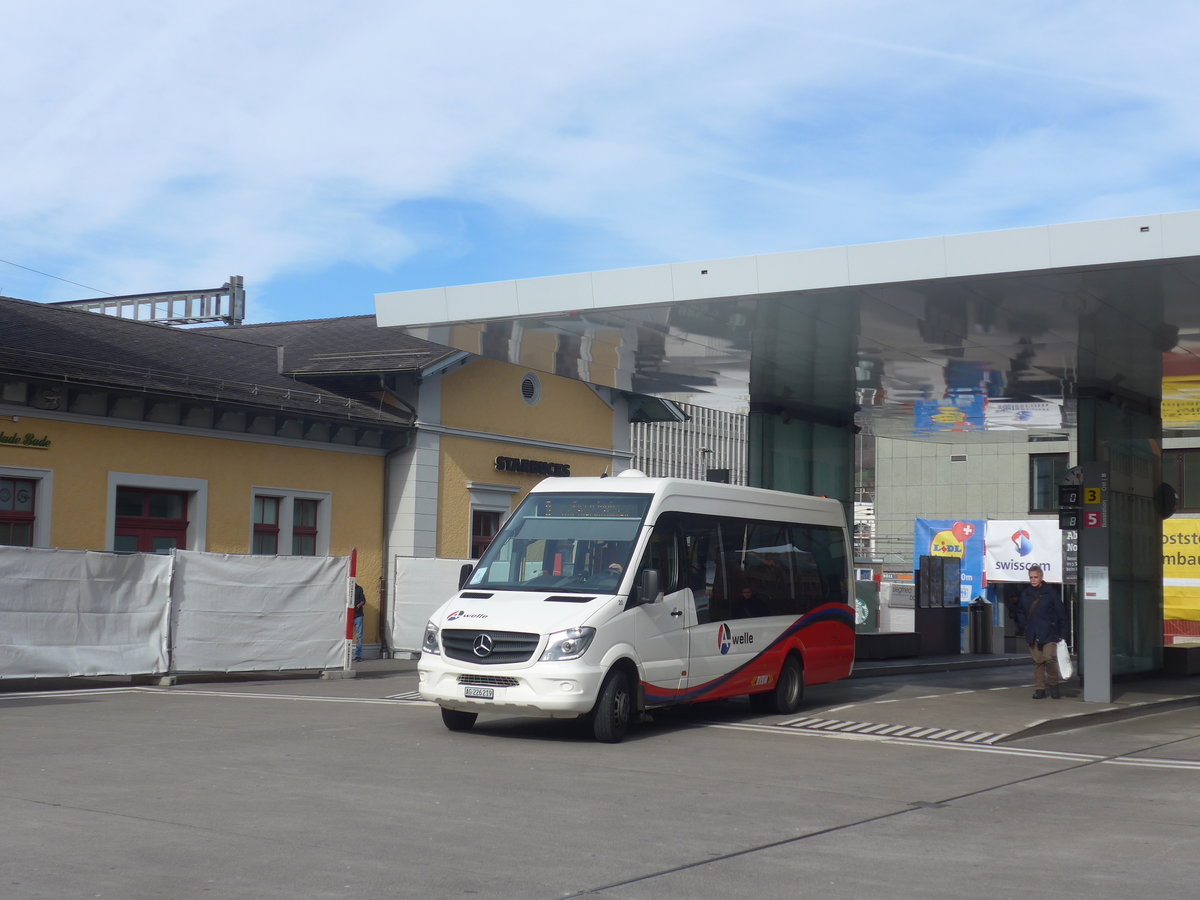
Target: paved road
[{"x": 313, "y": 789}]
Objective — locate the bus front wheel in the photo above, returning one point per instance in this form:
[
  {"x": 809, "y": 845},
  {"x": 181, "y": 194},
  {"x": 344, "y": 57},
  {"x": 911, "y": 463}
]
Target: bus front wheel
[
  {"x": 614, "y": 708},
  {"x": 457, "y": 720}
]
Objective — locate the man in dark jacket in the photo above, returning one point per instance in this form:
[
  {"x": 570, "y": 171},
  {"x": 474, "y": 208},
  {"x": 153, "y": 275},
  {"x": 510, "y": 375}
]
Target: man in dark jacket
[
  {"x": 360, "y": 607},
  {"x": 1042, "y": 617}
]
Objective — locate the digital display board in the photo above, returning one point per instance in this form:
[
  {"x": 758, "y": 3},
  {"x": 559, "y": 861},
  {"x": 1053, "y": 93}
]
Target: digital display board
[{"x": 592, "y": 506}]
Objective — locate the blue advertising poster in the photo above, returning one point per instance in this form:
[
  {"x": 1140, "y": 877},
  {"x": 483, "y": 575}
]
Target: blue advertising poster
[
  {"x": 962, "y": 538},
  {"x": 959, "y": 411}
]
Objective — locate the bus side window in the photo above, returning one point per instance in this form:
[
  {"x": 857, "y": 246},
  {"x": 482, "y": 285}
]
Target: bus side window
[
  {"x": 662, "y": 553},
  {"x": 823, "y": 580},
  {"x": 701, "y": 543}
]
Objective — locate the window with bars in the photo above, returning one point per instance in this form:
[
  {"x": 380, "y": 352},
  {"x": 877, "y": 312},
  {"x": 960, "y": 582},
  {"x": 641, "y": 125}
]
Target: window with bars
[
  {"x": 17, "y": 499},
  {"x": 150, "y": 521},
  {"x": 285, "y": 523},
  {"x": 304, "y": 527},
  {"x": 266, "y": 526},
  {"x": 484, "y": 525}
]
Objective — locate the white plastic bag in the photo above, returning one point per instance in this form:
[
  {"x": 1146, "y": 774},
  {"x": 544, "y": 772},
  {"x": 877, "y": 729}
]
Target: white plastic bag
[{"x": 1065, "y": 668}]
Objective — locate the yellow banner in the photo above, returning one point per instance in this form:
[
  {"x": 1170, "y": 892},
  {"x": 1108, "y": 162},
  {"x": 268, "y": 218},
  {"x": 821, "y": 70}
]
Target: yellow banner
[
  {"x": 1181, "y": 569},
  {"x": 1181, "y": 401}
]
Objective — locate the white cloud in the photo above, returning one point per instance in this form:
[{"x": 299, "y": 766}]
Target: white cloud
[{"x": 150, "y": 145}]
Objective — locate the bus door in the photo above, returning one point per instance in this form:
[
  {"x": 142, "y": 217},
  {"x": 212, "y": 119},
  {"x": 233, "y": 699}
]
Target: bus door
[{"x": 661, "y": 627}]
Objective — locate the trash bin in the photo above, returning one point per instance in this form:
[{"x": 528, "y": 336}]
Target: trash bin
[
  {"x": 980, "y": 619},
  {"x": 866, "y": 607}
]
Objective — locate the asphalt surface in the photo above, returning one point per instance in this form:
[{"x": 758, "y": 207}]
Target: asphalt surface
[
  {"x": 979, "y": 698},
  {"x": 932, "y": 779},
  {"x": 989, "y": 699}
]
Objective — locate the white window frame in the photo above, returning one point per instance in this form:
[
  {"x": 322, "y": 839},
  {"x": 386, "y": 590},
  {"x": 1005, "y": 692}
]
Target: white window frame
[
  {"x": 197, "y": 510},
  {"x": 286, "y": 497},
  {"x": 42, "y": 495}
]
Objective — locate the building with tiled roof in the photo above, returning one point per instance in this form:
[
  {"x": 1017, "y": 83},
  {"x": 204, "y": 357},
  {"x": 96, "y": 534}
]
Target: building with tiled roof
[{"x": 313, "y": 438}]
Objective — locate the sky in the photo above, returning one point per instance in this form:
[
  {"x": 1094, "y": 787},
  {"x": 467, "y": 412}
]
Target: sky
[{"x": 329, "y": 151}]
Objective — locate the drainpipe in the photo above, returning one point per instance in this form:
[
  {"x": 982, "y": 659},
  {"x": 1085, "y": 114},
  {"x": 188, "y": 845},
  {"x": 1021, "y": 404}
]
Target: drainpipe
[{"x": 385, "y": 651}]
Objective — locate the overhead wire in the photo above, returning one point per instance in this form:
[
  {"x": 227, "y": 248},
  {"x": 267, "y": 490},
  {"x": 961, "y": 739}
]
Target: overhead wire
[{"x": 9, "y": 262}]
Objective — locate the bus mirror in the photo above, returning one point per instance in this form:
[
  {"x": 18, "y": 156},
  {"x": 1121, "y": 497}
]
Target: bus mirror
[
  {"x": 648, "y": 587},
  {"x": 464, "y": 573}
]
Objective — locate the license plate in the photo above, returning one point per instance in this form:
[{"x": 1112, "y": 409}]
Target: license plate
[{"x": 480, "y": 693}]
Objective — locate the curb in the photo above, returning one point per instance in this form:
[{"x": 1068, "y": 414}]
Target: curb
[{"x": 1083, "y": 720}]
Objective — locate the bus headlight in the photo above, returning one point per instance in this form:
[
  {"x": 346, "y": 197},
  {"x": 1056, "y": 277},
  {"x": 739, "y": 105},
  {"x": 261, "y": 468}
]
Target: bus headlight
[
  {"x": 569, "y": 644},
  {"x": 430, "y": 642}
]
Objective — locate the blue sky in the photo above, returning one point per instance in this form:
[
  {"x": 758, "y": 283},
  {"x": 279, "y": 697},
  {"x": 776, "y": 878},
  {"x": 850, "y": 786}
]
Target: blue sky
[{"x": 328, "y": 151}]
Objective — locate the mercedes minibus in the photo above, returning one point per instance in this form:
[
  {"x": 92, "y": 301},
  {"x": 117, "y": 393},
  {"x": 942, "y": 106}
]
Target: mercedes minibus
[{"x": 607, "y": 597}]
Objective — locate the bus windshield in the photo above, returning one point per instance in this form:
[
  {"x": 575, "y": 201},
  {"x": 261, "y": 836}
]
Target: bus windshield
[{"x": 572, "y": 543}]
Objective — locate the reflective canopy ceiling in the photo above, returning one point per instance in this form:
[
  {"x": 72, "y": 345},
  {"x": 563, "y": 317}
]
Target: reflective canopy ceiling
[{"x": 952, "y": 338}]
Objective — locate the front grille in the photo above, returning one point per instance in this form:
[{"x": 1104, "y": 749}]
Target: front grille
[
  {"x": 507, "y": 646},
  {"x": 488, "y": 680}
]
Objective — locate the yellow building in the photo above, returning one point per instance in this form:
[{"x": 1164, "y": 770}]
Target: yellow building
[
  {"x": 310, "y": 438},
  {"x": 484, "y": 432},
  {"x": 130, "y": 436}
]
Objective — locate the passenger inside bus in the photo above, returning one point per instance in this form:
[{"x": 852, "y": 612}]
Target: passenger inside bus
[{"x": 750, "y": 603}]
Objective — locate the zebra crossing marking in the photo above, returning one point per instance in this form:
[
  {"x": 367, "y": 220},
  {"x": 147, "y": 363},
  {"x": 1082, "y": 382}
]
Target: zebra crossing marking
[
  {"x": 407, "y": 695},
  {"x": 882, "y": 729}
]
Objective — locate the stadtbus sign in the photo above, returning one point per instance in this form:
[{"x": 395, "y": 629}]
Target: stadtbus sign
[{"x": 532, "y": 466}]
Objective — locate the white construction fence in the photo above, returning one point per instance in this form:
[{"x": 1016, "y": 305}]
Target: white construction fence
[
  {"x": 79, "y": 612},
  {"x": 422, "y": 585}
]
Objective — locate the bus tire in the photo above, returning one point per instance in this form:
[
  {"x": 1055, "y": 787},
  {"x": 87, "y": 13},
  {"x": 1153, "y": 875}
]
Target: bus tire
[
  {"x": 457, "y": 720},
  {"x": 614, "y": 708},
  {"x": 785, "y": 698}
]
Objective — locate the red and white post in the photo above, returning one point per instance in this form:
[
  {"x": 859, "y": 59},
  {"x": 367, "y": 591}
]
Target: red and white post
[{"x": 348, "y": 661}]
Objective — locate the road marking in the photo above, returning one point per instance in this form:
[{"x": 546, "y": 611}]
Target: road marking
[
  {"x": 1154, "y": 763},
  {"x": 813, "y": 726},
  {"x": 824, "y": 726},
  {"x": 83, "y": 692},
  {"x": 255, "y": 695}
]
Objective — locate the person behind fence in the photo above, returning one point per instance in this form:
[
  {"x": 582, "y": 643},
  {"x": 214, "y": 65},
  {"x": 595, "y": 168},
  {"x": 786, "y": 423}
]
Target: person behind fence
[
  {"x": 360, "y": 607},
  {"x": 1041, "y": 615}
]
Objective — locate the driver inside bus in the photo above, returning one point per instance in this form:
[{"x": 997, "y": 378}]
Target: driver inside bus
[{"x": 608, "y": 577}]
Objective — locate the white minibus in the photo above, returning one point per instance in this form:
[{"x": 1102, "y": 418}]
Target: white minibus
[{"x": 606, "y": 597}]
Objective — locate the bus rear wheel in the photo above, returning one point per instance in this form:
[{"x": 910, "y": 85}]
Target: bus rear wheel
[
  {"x": 457, "y": 720},
  {"x": 785, "y": 698},
  {"x": 614, "y": 708}
]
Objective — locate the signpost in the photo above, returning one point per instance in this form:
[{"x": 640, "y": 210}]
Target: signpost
[{"x": 1083, "y": 518}]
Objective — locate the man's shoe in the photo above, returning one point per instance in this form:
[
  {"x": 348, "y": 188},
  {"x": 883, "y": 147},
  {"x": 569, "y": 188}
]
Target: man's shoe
[
  {"x": 1039, "y": 695},
  {"x": 1054, "y": 692}
]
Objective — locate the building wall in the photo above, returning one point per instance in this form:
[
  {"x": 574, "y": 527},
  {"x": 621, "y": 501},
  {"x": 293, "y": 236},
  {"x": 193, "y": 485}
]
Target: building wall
[
  {"x": 709, "y": 439},
  {"x": 485, "y": 396},
  {"x": 470, "y": 463},
  {"x": 922, "y": 479},
  {"x": 83, "y": 456},
  {"x": 482, "y": 411}
]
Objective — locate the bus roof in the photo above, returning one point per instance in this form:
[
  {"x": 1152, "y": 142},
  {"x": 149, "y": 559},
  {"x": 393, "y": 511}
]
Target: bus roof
[{"x": 696, "y": 493}]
